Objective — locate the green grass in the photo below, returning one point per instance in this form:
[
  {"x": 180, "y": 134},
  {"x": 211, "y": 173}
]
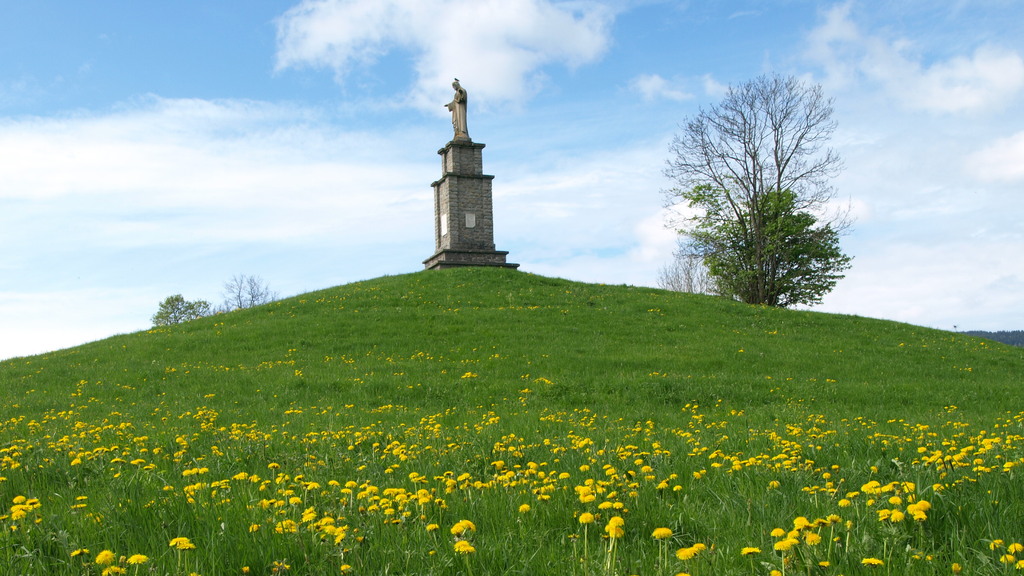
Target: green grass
[{"x": 717, "y": 420}]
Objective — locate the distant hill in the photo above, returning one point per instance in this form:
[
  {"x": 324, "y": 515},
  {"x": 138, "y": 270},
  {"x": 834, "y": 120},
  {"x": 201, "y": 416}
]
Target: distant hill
[{"x": 1011, "y": 337}]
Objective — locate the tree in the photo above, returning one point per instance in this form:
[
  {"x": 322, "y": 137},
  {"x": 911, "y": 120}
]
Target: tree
[
  {"x": 755, "y": 173},
  {"x": 243, "y": 291},
  {"x": 175, "y": 310}
]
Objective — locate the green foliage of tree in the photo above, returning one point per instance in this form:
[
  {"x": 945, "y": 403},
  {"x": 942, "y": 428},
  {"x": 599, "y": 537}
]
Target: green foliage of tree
[
  {"x": 789, "y": 260},
  {"x": 755, "y": 179},
  {"x": 175, "y": 310}
]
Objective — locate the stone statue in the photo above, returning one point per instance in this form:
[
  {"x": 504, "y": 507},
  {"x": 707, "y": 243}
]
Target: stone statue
[{"x": 458, "y": 108}]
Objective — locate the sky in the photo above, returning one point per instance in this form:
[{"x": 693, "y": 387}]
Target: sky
[{"x": 157, "y": 148}]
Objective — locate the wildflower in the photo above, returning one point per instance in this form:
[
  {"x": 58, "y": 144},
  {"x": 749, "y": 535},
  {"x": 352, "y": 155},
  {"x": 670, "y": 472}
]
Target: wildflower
[
  {"x": 524, "y": 508},
  {"x": 432, "y": 527},
  {"x": 464, "y": 547},
  {"x": 1015, "y": 548},
  {"x": 80, "y": 552},
  {"x": 784, "y": 545},
  {"x": 345, "y": 568},
  {"x": 182, "y": 543},
  {"x": 661, "y": 533},
  {"x": 747, "y": 551},
  {"x": 614, "y": 527},
  {"x": 586, "y": 518},
  {"x": 872, "y": 562},
  {"x": 688, "y": 553},
  {"x": 138, "y": 559},
  {"x": 778, "y": 533},
  {"x": 1008, "y": 559},
  {"x": 462, "y": 526},
  {"x": 812, "y": 538},
  {"x": 279, "y": 566},
  {"x": 956, "y": 568},
  {"x": 105, "y": 557},
  {"x": 112, "y": 571}
]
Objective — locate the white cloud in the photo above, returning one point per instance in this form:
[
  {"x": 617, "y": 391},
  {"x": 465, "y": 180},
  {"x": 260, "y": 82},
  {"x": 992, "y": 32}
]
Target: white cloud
[
  {"x": 654, "y": 87},
  {"x": 987, "y": 78},
  {"x": 498, "y": 48},
  {"x": 713, "y": 87},
  {"x": 1002, "y": 160}
]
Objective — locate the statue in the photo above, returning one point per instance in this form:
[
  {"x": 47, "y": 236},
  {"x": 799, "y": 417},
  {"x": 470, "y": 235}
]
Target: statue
[{"x": 458, "y": 108}]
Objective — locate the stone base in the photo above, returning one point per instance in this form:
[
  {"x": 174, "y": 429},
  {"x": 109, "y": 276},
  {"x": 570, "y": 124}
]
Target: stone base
[{"x": 460, "y": 258}]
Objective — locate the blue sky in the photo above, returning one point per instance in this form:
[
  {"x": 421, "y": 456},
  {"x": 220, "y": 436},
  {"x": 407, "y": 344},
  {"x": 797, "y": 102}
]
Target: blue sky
[{"x": 149, "y": 149}]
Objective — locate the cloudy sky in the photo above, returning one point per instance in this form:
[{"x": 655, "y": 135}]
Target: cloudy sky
[{"x": 155, "y": 148}]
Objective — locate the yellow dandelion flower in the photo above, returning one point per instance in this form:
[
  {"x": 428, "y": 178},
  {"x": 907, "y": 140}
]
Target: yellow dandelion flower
[
  {"x": 105, "y": 557},
  {"x": 872, "y": 562},
  {"x": 524, "y": 508},
  {"x": 181, "y": 543},
  {"x": 1008, "y": 559},
  {"x": 747, "y": 551},
  {"x": 686, "y": 553},
  {"x": 812, "y": 538},
  {"x": 1015, "y": 548},
  {"x": 345, "y": 568},
  {"x": 432, "y": 527},
  {"x": 462, "y": 526},
  {"x": 138, "y": 559},
  {"x": 464, "y": 547},
  {"x": 112, "y": 571},
  {"x": 786, "y": 544},
  {"x": 586, "y": 518},
  {"x": 80, "y": 552},
  {"x": 661, "y": 533},
  {"x": 956, "y": 568},
  {"x": 778, "y": 533}
]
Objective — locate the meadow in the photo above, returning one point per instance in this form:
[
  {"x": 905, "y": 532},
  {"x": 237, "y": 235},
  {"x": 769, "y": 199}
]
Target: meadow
[{"x": 486, "y": 422}]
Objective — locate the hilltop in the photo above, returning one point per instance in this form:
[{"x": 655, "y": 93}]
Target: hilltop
[{"x": 370, "y": 340}]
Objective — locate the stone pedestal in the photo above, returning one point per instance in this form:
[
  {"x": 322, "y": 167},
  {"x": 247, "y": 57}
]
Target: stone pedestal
[{"x": 463, "y": 212}]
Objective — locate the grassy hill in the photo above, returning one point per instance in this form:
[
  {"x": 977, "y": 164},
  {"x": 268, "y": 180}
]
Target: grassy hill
[{"x": 351, "y": 429}]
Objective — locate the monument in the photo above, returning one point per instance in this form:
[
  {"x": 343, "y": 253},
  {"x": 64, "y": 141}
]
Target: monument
[{"x": 463, "y": 212}]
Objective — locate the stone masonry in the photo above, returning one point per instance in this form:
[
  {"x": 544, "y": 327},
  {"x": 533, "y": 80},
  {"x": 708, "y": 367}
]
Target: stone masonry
[{"x": 463, "y": 213}]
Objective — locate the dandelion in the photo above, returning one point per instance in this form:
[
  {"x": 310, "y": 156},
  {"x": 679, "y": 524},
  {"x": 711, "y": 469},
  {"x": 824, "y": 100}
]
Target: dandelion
[
  {"x": 524, "y": 508},
  {"x": 112, "y": 571},
  {"x": 345, "y": 568},
  {"x": 432, "y": 527},
  {"x": 462, "y": 526},
  {"x": 1015, "y": 548},
  {"x": 786, "y": 544},
  {"x": 464, "y": 547},
  {"x": 661, "y": 533},
  {"x": 747, "y": 551},
  {"x": 956, "y": 568},
  {"x": 1008, "y": 559},
  {"x": 105, "y": 557},
  {"x": 182, "y": 543},
  {"x": 586, "y": 518},
  {"x": 80, "y": 552},
  {"x": 135, "y": 559},
  {"x": 872, "y": 562},
  {"x": 686, "y": 553}
]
